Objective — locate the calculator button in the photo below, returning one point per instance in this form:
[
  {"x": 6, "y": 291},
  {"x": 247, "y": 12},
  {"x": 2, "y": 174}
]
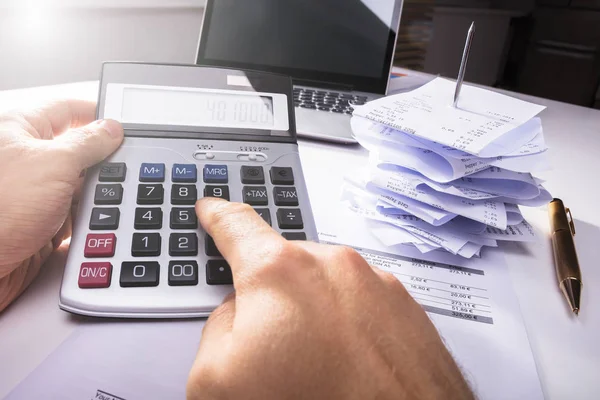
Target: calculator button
[
  {"x": 95, "y": 275},
  {"x": 294, "y": 235},
  {"x": 210, "y": 247},
  {"x": 255, "y": 195},
  {"x": 289, "y": 218},
  {"x": 100, "y": 245},
  {"x": 184, "y": 194},
  {"x": 108, "y": 194},
  {"x": 221, "y": 192},
  {"x": 152, "y": 173},
  {"x": 183, "y": 244},
  {"x": 285, "y": 196},
  {"x": 183, "y": 218},
  {"x": 138, "y": 274},
  {"x": 112, "y": 172},
  {"x": 150, "y": 194},
  {"x": 148, "y": 218},
  {"x": 215, "y": 174},
  {"x": 145, "y": 245},
  {"x": 186, "y": 173},
  {"x": 104, "y": 219},
  {"x": 282, "y": 176},
  {"x": 183, "y": 273},
  {"x": 218, "y": 273},
  {"x": 252, "y": 175},
  {"x": 265, "y": 214}
]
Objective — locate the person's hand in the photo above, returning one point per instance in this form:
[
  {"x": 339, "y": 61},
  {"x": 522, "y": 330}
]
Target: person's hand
[
  {"x": 43, "y": 154},
  {"x": 310, "y": 321}
]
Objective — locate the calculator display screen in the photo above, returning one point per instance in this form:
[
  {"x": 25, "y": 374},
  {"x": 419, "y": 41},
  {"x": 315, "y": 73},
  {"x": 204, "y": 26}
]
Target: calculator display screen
[{"x": 196, "y": 107}]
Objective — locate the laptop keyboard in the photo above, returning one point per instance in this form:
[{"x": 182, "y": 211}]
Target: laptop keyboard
[{"x": 327, "y": 101}]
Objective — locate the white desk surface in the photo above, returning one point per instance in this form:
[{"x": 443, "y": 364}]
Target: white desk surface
[{"x": 566, "y": 348}]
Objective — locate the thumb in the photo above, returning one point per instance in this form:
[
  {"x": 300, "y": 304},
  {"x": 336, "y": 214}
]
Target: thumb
[{"x": 92, "y": 143}]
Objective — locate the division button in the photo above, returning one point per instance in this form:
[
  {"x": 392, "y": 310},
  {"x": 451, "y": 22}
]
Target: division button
[
  {"x": 104, "y": 219},
  {"x": 289, "y": 218},
  {"x": 112, "y": 172},
  {"x": 218, "y": 273},
  {"x": 95, "y": 275},
  {"x": 139, "y": 274}
]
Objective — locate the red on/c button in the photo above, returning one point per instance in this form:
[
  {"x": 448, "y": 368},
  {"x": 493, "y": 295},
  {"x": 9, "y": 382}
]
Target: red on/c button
[
  {"x": 95, "y": 275},
  {"x": 100, "y": 245}
]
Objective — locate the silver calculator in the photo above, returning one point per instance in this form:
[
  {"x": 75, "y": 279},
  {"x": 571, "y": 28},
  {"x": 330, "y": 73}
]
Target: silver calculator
[{"x": 137, "y": 248}]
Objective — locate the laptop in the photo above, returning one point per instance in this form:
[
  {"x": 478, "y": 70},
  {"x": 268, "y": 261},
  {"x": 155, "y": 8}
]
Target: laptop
[{"x": 338, "y": 52}]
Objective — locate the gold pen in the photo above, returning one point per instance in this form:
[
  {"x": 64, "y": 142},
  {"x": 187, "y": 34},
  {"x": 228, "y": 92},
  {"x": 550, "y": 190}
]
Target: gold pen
[{"x": 565, "y": 257}]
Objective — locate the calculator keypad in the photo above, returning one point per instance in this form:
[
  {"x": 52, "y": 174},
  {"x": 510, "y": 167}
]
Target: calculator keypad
[
  {"x": 275, "y": 197},
  {"x": 108, "y": 194},
  {"x": 218, "y": 272},
  {"x": 221, "y": 192},
  {"x": 104, "y": 219},
  {"x": 184, "y": 195},
  {"x": 139, "y": 274},
  {"x": 145, "y": 245},
  {"x": 183, "y": 218},
  {"x": 150, "y": 194},
  {"x": 183, "y": 244},
  {"x": 148, "y": 218}
]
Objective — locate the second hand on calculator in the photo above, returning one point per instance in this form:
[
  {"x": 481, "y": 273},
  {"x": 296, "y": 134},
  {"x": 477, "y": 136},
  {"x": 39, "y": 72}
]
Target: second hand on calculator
[{"x": 463, "y": 63}]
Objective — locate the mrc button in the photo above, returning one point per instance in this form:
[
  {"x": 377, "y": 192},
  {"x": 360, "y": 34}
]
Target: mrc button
[
  {"x": 100, "y": 245},
  {"x": 95, "y": 275},
  {"x": 215, "y": 174}
]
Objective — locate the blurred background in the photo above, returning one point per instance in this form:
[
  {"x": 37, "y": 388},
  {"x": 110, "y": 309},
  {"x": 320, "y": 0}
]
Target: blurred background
[{"x": 547, "y": 48}]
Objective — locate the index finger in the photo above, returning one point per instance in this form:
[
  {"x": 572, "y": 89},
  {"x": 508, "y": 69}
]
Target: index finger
[
  {"x": 58, "y": 116},
  {"x": 240, "y": 234}
]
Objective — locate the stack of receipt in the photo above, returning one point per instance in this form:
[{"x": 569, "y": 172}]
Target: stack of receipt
[{"x": 444, "y": 177}]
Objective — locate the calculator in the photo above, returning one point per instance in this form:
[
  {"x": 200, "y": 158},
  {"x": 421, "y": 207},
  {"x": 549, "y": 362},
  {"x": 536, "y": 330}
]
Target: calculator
[{"x": 137, "y": 248}]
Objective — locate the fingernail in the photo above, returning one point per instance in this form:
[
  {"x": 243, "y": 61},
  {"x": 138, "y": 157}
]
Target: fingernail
[{"x": 114, "y": 128}]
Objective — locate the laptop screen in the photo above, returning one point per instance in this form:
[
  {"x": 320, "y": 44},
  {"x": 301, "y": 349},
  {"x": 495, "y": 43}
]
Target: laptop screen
[{"x": 343, "y": 42}]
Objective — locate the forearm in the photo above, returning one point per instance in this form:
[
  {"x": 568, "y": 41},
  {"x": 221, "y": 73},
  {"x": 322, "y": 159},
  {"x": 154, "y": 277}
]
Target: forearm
[{"x": 17, "y": 277}]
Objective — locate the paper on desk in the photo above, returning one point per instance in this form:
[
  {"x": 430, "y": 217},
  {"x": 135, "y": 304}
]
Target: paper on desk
[
  {"x": 484, "y": 124},
  {"x": 489, "y": 212},
  {"x": 476, "y": 313}
]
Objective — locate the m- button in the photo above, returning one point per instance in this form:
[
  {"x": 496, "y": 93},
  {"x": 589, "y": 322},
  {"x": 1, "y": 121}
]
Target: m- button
[{"x": 100, "y": 245}]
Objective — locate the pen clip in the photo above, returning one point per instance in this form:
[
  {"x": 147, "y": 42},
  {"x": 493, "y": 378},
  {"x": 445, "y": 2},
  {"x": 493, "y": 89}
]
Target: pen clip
[{"x": 571, "y": 224}]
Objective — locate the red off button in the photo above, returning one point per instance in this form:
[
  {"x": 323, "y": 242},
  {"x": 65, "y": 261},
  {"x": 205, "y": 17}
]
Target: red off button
[
  {"x": 95, "y": 275},
  {"x": 100, "y": 245}
]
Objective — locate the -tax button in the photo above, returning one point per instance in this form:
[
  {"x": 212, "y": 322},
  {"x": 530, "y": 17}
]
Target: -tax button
[
  {"x": 95, "y": 275},
  {"x": 100, "y": 245}
]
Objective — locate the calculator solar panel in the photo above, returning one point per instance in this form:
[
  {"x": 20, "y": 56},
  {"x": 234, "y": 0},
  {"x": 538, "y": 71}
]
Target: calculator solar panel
[{"x": 137, "y": 248}]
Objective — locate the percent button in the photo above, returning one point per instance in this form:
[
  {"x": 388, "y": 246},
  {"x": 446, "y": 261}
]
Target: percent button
[{"x": 108, "y": 194}]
